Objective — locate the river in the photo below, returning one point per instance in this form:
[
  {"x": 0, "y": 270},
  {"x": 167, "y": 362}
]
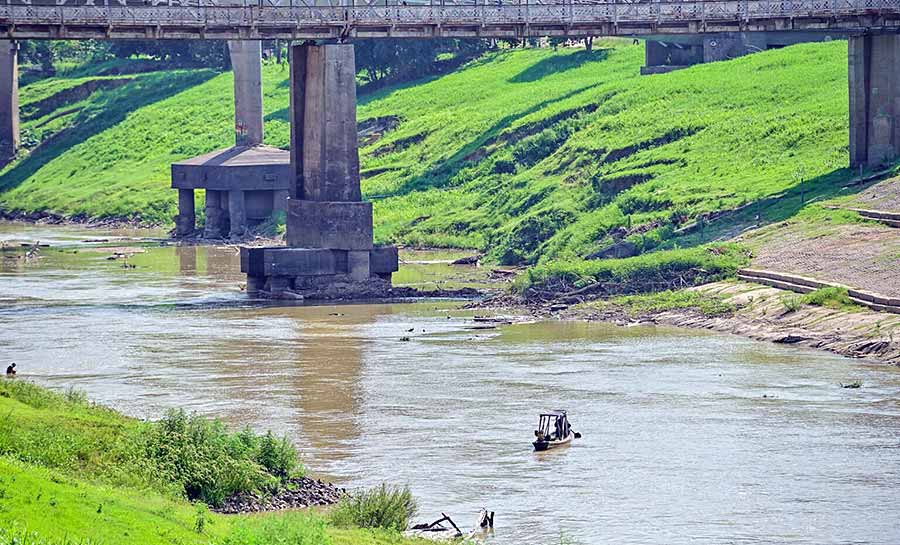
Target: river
[{"x": 688, "y": 437}]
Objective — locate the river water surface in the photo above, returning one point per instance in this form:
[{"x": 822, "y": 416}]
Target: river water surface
[{"x": 689, "y": 437}]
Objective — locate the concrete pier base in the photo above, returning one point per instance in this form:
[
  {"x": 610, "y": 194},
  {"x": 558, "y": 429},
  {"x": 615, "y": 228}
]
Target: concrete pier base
[
  {"x": 330, "y": 253},
  {"x": 874, "y": 79},
  {"x": 215, "y": 215},
  {"x": 9, "y": 100}
]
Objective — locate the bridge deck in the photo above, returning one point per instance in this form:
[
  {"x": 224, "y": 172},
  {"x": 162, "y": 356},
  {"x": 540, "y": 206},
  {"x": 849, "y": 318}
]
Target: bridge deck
[{"x": 295, "y": 19}]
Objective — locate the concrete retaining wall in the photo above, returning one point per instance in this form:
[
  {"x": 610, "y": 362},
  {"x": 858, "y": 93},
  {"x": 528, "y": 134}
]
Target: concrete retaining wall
[{"x": 803, "y": 284}]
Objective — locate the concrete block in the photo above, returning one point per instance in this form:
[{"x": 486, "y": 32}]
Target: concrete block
[
  {"x": 186, "y": 220},
  {"x": 215, "y": 215},
  {"x": 384, "y": 260},
  {"x": 358, "y": 265},
  {"x": 255, "y": 284},
  {"x": 304, "y": 262},
  {"x": 332, "y": 225}
]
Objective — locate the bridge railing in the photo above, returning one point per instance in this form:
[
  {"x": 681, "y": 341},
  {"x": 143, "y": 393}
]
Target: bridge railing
[{"x": 300, "y": 13}]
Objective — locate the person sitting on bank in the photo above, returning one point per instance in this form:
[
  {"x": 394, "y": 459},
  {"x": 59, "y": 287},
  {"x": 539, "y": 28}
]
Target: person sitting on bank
[{"x": 11, "y": 370}]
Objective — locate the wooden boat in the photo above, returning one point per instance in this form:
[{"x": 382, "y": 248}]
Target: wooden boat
[{"x": 553, "y": 431}]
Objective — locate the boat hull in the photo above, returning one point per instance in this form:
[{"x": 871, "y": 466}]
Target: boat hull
[{"x": 548, "y": 445}]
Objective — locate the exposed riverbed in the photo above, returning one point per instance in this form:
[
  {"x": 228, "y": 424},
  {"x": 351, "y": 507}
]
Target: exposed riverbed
[{"x": 689, "y": 437}]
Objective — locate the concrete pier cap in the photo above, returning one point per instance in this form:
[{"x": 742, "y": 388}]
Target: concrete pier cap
[{"x": 330, "y": 252}]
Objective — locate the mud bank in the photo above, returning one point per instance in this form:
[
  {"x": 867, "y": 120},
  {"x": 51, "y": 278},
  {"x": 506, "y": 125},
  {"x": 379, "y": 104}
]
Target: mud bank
[
  {"x": 759, "y": 312},
  {"x": 82, "y": 220}
]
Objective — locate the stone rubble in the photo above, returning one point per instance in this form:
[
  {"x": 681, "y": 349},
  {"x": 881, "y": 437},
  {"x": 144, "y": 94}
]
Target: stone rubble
[{"x": 297, "y": 493}]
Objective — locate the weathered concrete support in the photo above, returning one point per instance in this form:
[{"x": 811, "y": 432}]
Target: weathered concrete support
[
  {"x": 237, "y": 214},
  {"x": 215, "y": 216},
  {"x": 329, "y": 228},
  {"x": 186, "y": 220},
  {"x": 246, "y": 57},
  {"x": 9, "y": 100},
  {"x": 324, "y": 151},
  {"x": 874, "y": 78}
]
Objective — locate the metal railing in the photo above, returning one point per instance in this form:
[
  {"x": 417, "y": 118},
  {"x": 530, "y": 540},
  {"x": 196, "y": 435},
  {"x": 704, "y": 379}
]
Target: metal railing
[{"x": 300, "y": 13}]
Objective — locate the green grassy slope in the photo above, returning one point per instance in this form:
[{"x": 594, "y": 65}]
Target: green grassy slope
[
  {"x": 66, "y": 477},
  {"x": 530, "y": 154}
]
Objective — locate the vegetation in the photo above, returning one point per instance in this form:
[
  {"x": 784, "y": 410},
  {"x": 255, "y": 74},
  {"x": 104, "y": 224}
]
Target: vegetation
[
  {"x": 72, "y": 472},
  {"x": 635, "y": 305},
  {"x": 532, "y": 155},
  {"x": 180, "y": 454},
  {"x": 390, "y": 508},
  {"x": 833, "y": 297},
  {"x": 656, "y": 271}
]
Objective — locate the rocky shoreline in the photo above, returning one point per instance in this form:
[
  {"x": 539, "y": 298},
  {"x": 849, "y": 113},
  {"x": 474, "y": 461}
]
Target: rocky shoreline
[
  {"x": 83, "y": 220},
  {"x": 296, "y": 493}
]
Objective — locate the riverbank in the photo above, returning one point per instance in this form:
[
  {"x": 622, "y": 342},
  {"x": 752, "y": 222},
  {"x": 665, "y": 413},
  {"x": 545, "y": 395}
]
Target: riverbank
[{"x": 74, "y": 470}]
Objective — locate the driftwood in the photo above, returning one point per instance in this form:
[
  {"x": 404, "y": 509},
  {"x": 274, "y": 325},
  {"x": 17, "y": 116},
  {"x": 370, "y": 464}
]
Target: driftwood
[{"x": 436, "y": 526}]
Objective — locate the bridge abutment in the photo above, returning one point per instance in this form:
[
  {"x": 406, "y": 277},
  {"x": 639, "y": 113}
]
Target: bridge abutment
[
  {"x": 9, "y": 100},
  {"x": 874, "y": 79},
  {"x": 330, "y": 251}
]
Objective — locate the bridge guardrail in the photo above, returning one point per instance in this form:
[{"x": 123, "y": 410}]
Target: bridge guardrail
[{"x": 297, "y": 13}]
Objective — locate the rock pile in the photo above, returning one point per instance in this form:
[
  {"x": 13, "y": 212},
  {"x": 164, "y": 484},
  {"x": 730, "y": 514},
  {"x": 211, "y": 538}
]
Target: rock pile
[{"x": 297, "y": 493}]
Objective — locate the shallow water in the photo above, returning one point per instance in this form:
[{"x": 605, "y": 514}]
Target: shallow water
[{"x": 689, "y": 437}]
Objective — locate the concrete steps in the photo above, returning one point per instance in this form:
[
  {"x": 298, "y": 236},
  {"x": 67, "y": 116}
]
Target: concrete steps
[
  {"x": 891, "y": 219},
  {"x": 803, "y": 284}
]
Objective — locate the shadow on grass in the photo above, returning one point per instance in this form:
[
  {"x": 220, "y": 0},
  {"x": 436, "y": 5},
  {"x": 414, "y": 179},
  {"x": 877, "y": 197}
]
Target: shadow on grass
[
  {"x": 107, "y": 109},
  {"x": 774, "y": 209},
  {"x": 558, "y": 63},
  {"x": 442, "y": 173}
]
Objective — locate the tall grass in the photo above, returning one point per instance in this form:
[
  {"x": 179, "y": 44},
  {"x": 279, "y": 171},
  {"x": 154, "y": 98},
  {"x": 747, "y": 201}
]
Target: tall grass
[
  {"x": 180, "y": 454},
  {"x": 386, "y": 507}
]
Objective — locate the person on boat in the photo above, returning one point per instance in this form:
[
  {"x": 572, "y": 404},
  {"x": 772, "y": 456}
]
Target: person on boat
[{"x": 11, "y": 370}]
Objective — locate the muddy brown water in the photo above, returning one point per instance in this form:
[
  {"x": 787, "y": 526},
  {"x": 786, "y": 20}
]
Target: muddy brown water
[{"x": 689, "y": 437}]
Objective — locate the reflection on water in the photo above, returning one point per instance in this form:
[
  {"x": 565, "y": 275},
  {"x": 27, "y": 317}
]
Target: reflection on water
[{"x": 688, "y": 437}]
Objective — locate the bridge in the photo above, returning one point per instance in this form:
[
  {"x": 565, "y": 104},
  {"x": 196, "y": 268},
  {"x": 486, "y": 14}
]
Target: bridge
[
  {"x": 329, "y": 227},
  {"x": 343, "y": 20}
]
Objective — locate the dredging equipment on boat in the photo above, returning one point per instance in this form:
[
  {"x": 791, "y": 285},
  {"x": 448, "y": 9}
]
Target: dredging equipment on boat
[{"x": 553, "y": 431}]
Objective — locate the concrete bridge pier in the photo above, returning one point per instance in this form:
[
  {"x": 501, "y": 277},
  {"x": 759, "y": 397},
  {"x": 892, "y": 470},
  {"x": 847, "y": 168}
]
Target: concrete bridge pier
[
  {"x": 330, "y": 249},
  {"x": 9, "y": 100},
  {"x": 874, "y": 78},
  {"x": 227, "y": 176}
]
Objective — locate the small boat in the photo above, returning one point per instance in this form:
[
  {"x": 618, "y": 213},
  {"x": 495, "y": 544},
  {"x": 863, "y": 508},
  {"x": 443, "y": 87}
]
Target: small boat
[{"x": 553, "y": 431}]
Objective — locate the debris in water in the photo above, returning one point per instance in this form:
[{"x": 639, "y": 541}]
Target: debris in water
[{"x": 854, "y": 384}]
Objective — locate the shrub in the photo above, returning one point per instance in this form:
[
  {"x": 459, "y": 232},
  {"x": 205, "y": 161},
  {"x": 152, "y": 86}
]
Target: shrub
[
  {"x": 385, "y": 507},
  {"x": 830, "y": 297},
  {"x": 791, "y": 303},
  {"x": 210, "y": 463}
]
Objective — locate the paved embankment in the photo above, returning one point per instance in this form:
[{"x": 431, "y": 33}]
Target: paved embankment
[{"x": 803, "y": 284}]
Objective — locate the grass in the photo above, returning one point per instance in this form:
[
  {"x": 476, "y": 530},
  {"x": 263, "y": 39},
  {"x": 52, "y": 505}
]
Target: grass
[
  {"x": 72, "y": 472},
  {"x": 834, "y": 297},
  {"x": 651, "y": 303},
  {"x": 657, "y": 271},
  {"x": 389, "y": 508},
  {"x": 534, "y": 156}
]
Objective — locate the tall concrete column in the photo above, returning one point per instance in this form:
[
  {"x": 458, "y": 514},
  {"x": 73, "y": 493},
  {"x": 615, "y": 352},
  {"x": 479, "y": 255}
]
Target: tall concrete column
[
  {"x": 186, "y": 220},
  {"x": 237, "y": 214},
  {"x": 246, "y": 56},
  {"x": 326, "y": 208},
  {"x": 9, "y": 100},
  {"x": 324, "y": 152},
  {"x": 874, "y": 78}
]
